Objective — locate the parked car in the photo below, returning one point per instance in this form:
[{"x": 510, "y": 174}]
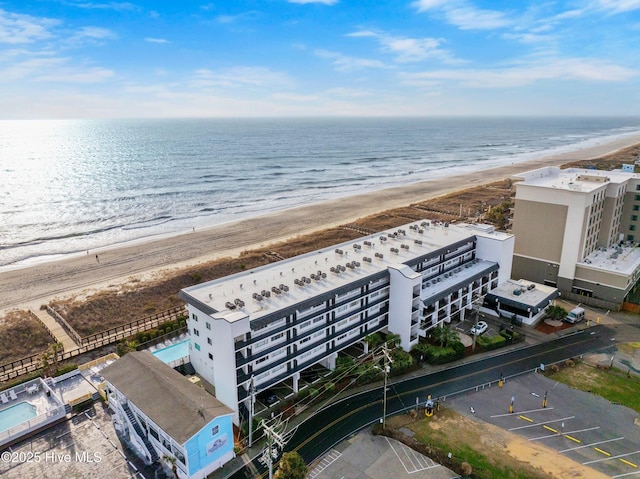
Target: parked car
[
  {"x": 267, "y": 398},
  {"x": 479, "y": 328}
]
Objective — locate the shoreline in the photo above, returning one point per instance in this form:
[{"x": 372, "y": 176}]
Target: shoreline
[
  {"x": 29, "y": 254},
  {"x": 32, "y": 285}
]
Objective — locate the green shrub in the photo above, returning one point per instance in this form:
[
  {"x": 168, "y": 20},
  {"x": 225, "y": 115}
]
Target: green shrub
[
  {"x": 402, "y": 361},
  {"x": 443, "y": 355},
  {"x": 489, "y": 344}
]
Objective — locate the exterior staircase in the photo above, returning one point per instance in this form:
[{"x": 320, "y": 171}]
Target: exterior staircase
[{"x": 140, "y": 433}]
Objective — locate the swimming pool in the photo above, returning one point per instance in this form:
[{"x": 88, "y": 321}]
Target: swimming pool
[
  {"x": 17, "y": 414},
  {"x": 174, "y": 352}
]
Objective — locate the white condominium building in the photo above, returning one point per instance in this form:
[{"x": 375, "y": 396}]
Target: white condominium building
[
  {"x": 576, "y": 229},
  {"x": 273, "y": 322}
]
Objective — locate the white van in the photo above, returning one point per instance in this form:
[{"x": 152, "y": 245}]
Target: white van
[{"x": 575, "y": 315}]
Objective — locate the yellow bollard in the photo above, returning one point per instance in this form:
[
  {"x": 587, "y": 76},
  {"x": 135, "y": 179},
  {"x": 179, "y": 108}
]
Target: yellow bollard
[{"x": 598, "y": 320}]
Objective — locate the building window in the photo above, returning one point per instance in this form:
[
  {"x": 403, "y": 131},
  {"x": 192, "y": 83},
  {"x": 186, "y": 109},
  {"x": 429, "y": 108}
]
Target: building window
[
  {"x": 637, "y": 197},
  {"x": 215, "y": 430},
  {"x": 208, "y": 325},
  {"x": 209, "y": 341},
  {"x": 634, "y": 217},
  {"x": 211, "y": 356},
  {"x": 196, "y": 332},
  {"x": 194, "y": 317},
  {"x": 262, "y": 359},
  {"x": 630, "y": 238},
  {"x": 304, "y": 340},
  {"x": 637, "y": 187},
  {"x": 632, "y": 227},
  {"x": 275, "y": 337},
  {"x": 197, "y": 346},
  {"x": 636, "y": 207}
]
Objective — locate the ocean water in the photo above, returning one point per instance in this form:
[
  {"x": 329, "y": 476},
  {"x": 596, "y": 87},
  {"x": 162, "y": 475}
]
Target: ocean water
[{"x": 68, "y": 186}]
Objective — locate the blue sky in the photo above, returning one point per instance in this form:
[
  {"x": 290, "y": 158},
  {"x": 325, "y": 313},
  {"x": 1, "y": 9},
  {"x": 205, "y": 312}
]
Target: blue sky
[{"x": 241, "y": 58}]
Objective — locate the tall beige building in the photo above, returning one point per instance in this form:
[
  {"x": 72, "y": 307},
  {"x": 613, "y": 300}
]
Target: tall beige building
[{"x": 576, "y": 229}]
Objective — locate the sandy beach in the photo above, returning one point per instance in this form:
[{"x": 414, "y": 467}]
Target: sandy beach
[{"x": 29, "y": 287}]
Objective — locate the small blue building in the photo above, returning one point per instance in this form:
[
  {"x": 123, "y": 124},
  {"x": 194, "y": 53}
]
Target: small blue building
[{"x": 164, "y": 415}]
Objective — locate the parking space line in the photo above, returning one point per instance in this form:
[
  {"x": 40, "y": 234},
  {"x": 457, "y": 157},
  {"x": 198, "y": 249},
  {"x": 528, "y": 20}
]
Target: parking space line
[
  {"x": 416, "y": 455},
  {"x": 326, "y": 461},
  {"x": 525, "y": 412},
  {"x": 548, "y": 422},
  {"x": 573, "y": 438},
  {"x": 614, "y": 457},
  {"x": 549, "y": 428},
  {"x": 592, "y": 444},
  {"x": 628, "y": 463},
  {"x": 627, "y": 474},
  {"x": 525, "y": 418}
]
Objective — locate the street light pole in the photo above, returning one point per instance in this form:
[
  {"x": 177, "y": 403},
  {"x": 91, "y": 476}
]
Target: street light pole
[
  {"x": 251, "y": 398},
  {"x": 478, "y": 300}
]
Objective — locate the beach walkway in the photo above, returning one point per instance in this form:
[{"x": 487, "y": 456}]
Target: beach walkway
[{"x": 58, "y": 332}]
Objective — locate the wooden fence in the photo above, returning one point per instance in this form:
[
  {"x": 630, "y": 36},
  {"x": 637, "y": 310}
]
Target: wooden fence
[{"x": 94, "y": 341}]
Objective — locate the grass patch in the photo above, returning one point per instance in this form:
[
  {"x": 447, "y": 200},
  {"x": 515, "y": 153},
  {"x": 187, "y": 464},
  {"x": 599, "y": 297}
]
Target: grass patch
[
  {"x": 21, "y": 335},
  {"x": 467, "y": 441},
  {"x": 612, "y": 384}
]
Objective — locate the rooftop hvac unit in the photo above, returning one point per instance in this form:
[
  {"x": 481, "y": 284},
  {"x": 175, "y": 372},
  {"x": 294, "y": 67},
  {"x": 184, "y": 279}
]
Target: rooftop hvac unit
[
  {"x": 356, "y": 264},
  {"x": 313, "y": 276},
  {"x": 395, "y": 250},
  {"x": 366, "y": 259},
  {"x": 335, "y": 270},
  {"x": 306, "y": 280},
  {"x": 296, "y": 281},
  {"x": 531, "y": 286},
  {"x": 417, "y": 241},
  {"x": 379, "y": 255},
  {"x": 257, "y": 297},
  {"x": 339, "y": 251},
  {"x": 383, "y": 238},
  {"x": 367, "y": 243},
  {"x": 285, "y": 288},
  {"x": 324, "y": 275},
  {"x": 420, "y": 231},
  {"x": 230, "y": 305},
  {"x": 342, "y": 268},
  {"x": 404, "y": 246},
  {"x": 357, "y": 246},
  {"x": 267, "y": 294},
  {"x": 276, "y": 290},
  {"x": 263, "y": 292},
  {"x": 349, "y": 265},
  {"x": 238, "y": 302},
  {"x": 318, "y": 274},
  {"x": 424, "y": 223}
]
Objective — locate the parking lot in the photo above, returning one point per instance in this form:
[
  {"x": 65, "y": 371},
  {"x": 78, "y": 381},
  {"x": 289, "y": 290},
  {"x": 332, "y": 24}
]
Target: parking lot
[
  {"x": 376, "y": 457},
  {"x": 582, "y": 426}
]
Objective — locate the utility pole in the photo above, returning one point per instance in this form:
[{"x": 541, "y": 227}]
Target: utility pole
[
  {"x": 387, "y": 361},
  {"x": 477, "y": 303},
  {"x": 251, "y": 399},
  {"x": 272, "y": 436}
]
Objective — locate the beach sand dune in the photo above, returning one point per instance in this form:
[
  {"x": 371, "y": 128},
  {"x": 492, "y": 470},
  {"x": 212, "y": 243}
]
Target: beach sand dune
[{"x": 29, "y": 287}]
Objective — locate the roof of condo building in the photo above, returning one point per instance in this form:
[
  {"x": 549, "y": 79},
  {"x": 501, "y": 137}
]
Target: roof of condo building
[{"x": 261, "y": 291}]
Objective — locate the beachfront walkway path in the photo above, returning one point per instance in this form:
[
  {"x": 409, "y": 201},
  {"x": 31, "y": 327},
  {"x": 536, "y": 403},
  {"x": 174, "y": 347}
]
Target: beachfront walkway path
[{"x": 53, "y": 326}]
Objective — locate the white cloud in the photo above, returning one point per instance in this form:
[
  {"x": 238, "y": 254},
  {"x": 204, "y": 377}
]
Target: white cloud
[
  {"x": 156, "y": 40},
  {"x": 408, "y": 49},
  {"x": 77, "y": 75},
  {"x": 345, "y": 63},
  {"x": 464, "y": 15},
  {"x": 324, "y": 2},
  {"x": 584, "y": 69},
  {"x": 617, "y": 6},
  {"x": 18, "y": 28},
  {"x": 94, "y": 32},
  {"x": 242, "y": 76},
  {"x": 118, "y": 6}
]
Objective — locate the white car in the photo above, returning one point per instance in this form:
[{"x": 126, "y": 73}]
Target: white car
[{"x": 479, "y": 328}]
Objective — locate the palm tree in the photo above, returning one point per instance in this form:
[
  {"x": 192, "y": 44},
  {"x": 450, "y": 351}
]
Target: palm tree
[
  {"x": 445, "y": 335},
  {"x": 292, "y": 466},
  {"x": 56, "y": 348},
  {"x": 393, "y": 340},
  {"x": 171, "y": 460},
  {"x": 556, "y": 312}
]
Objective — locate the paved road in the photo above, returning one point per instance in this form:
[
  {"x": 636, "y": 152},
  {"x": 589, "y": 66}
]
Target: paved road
[{"x": 329, "y": 426}]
